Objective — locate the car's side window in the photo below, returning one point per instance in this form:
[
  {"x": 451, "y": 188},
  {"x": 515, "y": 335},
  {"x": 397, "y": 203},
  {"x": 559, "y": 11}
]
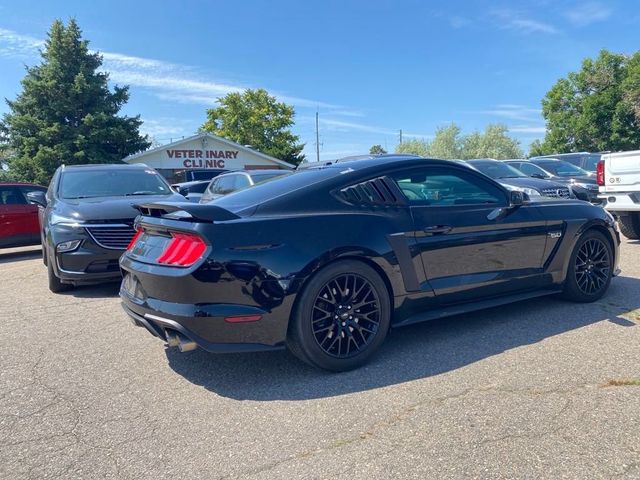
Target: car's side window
[
  {"x": 11, "y": 196},
  {"x": 528, "y": 169},
  {"x": 447, "y": 187},
  {"x": 225, "y": 185},
  {"x": 213, "y": 186},
  {"x": 241, "y": 181}
]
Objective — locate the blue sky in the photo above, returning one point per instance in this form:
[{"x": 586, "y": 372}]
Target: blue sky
[{"x": 370, "y": 68}]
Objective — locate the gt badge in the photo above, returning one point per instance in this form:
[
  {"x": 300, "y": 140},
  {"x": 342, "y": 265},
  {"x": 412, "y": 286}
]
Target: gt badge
[{"x": 555, "y": 234}]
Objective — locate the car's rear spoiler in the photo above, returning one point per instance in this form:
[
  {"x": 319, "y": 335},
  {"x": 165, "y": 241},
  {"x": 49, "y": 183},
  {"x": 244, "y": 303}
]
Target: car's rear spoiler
[{"x": 196, "y": 211}]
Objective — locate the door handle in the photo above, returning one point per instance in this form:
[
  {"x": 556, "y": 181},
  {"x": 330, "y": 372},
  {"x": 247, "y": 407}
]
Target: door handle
[{"x": 438, "y": 229}]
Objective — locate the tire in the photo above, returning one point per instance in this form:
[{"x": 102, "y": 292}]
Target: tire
[
  {"x": 55, "y": 285},
  {"x": 590, "y": 268},
  {"x": 345, "y": 300},
  {"x": 630, "y": 225}
]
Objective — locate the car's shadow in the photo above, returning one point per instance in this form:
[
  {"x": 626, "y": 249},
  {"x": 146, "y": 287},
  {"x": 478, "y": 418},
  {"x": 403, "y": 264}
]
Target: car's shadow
[
  {"x": 103, "y": 290},
  {"x": 409, "y": 353},
  {"x": 15, "y": 256}
]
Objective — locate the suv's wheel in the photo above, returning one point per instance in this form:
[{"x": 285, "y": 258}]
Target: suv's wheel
[
  {"x": 630, "y": 225},
  {"x": 341, "y": 318},
  {"x": 590, "y": 268},
  {"x": 55, "y": 285}
]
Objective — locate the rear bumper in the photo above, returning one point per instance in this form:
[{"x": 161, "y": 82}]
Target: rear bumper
[
  {"x": 165, "y": 329},
  {"x": 206, "y": 324},
  {"x": 621, "y": 201}
]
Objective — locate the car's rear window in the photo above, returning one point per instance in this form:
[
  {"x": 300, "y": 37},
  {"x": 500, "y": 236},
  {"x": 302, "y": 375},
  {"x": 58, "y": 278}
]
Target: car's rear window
[{"x": 275, "y": 187}]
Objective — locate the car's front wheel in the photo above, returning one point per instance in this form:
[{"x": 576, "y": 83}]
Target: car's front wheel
[
  {"x": 590, "y": 268},
  {"x": 341, "y": 318}
]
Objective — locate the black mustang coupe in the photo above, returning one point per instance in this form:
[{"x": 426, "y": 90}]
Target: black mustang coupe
[{"x": 326, "y": 260}]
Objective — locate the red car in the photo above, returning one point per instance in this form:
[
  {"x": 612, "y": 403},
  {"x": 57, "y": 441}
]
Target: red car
[{"x": 19, "y": 224}]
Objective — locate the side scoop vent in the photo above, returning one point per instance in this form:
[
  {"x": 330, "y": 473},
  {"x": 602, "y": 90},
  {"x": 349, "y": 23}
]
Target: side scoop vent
[{"x": 379, "y": 191}]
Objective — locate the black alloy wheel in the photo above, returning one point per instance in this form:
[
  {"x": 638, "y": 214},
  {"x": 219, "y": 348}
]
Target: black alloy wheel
[
  {"x": 341, "y": 317},
  {"x": 346, "y": 315},
  {"x": 592, "y": 266}
]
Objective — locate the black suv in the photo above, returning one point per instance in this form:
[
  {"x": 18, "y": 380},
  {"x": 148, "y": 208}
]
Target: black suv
[
  {"x": 515, "y": 180},
  {"x": 582, "y": 183},
  {"x": 87, "y": 219}
]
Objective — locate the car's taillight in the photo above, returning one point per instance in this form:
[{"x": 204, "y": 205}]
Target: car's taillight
[
  {"x": 183, "y": 250},
  {"x": 134, "y": 239},
  {"x": 600, "y": 173}
]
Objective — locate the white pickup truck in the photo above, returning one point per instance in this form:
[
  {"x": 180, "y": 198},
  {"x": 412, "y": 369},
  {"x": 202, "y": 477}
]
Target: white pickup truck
[{"x": 618, "y": 176}]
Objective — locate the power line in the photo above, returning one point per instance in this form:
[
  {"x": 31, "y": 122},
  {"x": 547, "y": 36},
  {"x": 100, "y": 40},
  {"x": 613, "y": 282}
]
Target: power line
[{"x": 317, "y": 139}]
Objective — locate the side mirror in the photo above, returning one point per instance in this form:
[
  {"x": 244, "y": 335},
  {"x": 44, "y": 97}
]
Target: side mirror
[
  {"x": 516, "y": 198},
  {"x": 37, "y": 197}
]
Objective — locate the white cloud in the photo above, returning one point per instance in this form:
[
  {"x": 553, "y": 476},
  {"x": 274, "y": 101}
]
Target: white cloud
[
  {"x": 15, "y": 45},
  {"x": 512, "y": 20},
  {"x": 165, "y": 128},
  {"x": 512, "y": 112},
  {"x": 588, "y": 13},
  {"x": 527, "y": 129},
  {"x": 181, "y": 83},
  {"x": 459, "y": 22}
]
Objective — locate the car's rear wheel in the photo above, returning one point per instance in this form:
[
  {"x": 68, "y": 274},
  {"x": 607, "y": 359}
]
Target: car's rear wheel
[
  {"x": 341, "y": 318},
  {"x": 590, "y": 268},
  {"x": 55, "y": 285},
  {"x": 630, "y": 225}
]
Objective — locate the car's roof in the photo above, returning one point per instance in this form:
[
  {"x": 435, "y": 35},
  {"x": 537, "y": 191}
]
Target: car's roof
[
  {"x": 106, "y": 166},
  {"x": 18, "y": 184},
  {"x": 484, "y": 160},
  {"x": 371, "y": 161},
  {"x": 191, "y": 183},
  {"x": 547, "y": 159}
]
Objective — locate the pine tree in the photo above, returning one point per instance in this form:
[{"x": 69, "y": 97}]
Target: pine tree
[{"x": 66, "y": 113}]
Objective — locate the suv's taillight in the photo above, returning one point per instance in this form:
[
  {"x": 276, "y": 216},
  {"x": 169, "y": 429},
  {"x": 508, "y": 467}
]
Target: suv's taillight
[
  {"x": 183, "y": 250},
  {"x": 600, "y": 173}
]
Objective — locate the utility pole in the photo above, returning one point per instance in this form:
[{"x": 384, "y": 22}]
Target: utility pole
[
  {"x": 400, "y": 136},
  {"x": 317, "y": 139}
]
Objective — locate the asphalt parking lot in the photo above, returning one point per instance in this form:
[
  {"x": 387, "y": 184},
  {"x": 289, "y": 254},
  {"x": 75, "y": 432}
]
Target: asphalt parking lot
[{"x": 540, "y": 389}]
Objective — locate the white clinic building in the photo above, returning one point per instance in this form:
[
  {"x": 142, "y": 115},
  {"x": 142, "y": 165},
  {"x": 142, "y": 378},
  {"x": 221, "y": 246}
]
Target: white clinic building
[{"x": 203, "y": 152}]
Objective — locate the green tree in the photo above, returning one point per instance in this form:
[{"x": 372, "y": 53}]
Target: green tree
[
  {"x": 66, "y": 112},
  {"x": 596, "y": 108},
  {"x": 5, "y": 156},
  {"x": 449, "y": 143},
  {"x": 256, "y": 118},
  {"x": 377, "y": 150},
  {"x": 493, "y": 143}
]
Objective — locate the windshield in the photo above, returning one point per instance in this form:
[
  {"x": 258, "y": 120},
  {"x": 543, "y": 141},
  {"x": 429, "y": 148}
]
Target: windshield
[
  {"x": 496, "y": 169},
  {"x": 111, "y": 183},
  {"x": 562, "y": 168}
]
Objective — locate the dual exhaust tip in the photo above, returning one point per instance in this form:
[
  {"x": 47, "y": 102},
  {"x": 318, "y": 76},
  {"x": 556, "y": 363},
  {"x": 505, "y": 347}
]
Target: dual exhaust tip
[{"x": 176, "y": 339}]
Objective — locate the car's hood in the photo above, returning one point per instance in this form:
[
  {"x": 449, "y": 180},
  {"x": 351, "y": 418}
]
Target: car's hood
[
  {"x": 108, "y": 208},
  {"x": 584, "y": 179},
  {"x": 530, "y": 182}
]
